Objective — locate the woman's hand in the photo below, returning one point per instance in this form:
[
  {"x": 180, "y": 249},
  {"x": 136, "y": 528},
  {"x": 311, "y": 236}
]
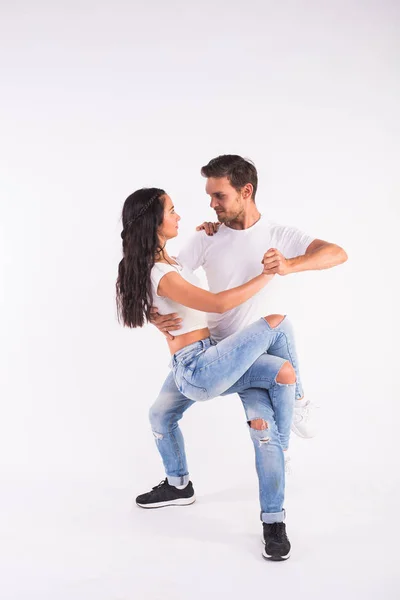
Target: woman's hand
[
  {"x": 275, "y": 263},
  {"x": 165, "y": 323},
  {"x": 209, "y": 228}
]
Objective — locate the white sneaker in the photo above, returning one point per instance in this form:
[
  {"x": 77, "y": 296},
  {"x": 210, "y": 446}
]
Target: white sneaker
[
  {"x": 288, "y": 467},
  {"x": 304, "y": 419}
]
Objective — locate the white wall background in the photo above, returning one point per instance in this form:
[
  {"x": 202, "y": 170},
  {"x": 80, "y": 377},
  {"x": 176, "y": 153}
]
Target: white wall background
[{"x": 98, "y": 99}]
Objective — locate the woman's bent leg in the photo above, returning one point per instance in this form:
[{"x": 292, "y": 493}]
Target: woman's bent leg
[
  {"x": 164, "y": 415},
  {"x": 214, "y": 370}
]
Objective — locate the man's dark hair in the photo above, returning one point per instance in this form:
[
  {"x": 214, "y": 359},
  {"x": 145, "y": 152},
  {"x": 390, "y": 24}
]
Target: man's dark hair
[{"x": 238, "y": 170}]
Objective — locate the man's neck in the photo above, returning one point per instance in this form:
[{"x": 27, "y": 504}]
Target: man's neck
[{"x": 246, "y": 220}]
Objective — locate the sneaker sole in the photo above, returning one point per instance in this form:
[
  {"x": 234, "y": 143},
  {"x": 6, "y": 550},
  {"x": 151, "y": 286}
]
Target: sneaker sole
[
  {"x": 273, "y": 557},
  {"x": 276, "y": 558},
  {"x": 177, "y": 502}
]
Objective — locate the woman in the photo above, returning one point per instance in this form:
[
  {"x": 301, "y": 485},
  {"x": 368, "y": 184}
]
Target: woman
[{"x": 202, "y": 368}]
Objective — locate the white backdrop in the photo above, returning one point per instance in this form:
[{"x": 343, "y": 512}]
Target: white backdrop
[{"x": 97, "y": 100}]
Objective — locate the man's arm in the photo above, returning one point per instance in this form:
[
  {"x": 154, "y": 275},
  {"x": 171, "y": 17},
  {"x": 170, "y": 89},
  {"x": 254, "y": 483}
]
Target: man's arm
[{"x": 318, "y": 255}]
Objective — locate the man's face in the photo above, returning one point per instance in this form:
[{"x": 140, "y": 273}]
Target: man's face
[{"x": 225, "y": 200}]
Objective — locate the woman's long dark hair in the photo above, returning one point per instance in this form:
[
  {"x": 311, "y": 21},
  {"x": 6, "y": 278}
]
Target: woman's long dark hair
[{"x": 142, "y": 215}]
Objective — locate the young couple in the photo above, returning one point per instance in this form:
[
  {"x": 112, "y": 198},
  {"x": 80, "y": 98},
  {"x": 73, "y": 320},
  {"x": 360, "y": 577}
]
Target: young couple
[{"x": 223, "y": 341}]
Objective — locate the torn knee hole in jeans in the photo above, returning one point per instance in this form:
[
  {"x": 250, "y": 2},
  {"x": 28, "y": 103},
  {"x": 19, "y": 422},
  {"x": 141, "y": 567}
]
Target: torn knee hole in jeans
[
  {"x": 158, "y": 436},
  {"x": 258, "y": 424},
  {"x": 264, "y": 441}
]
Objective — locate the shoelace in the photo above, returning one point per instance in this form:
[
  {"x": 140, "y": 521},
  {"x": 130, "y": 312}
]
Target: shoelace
[
  {"x": 303, "y": 413},
  {"x": 306, "y": 412},
  {"x": 161, "y": 484},
  {"x": 278, "y": 530}
]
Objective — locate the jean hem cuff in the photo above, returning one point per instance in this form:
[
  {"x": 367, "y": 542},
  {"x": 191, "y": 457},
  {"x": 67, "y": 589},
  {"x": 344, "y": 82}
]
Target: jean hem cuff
[
  {"x": 276, "y": 517},
  {"x": 180, "y": 480}
]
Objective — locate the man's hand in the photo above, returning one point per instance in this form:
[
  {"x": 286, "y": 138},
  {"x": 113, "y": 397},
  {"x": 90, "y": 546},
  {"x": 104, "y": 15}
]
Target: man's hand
[
  {"x": 165, "y": 322},
  {"x": 209, "y": 228},
  {"x": 275, "y": 263}
]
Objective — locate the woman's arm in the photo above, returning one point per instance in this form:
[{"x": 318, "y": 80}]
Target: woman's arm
[{"x": 176, "y": 288}]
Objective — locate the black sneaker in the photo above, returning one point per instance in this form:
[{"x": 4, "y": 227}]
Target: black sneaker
[
  {"x": 164, "y": 494},
  {"x": 277, "y": 545}
]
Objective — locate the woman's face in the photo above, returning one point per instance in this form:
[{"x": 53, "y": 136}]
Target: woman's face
[{"x": 169, "y": 227}]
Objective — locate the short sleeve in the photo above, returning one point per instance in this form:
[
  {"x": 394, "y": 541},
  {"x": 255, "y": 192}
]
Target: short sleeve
[
  {"x": 192, "y": 253},
  {"x": 290, "y": 241},
  {"x": 157, "y": 273}
]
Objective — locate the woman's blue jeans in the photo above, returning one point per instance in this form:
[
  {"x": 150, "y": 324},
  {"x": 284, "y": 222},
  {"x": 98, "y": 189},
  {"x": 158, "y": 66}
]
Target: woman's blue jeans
[{"x": 238, "y": 364}]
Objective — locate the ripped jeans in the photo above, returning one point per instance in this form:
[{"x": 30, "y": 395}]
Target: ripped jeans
[
  {"x": 262, "y": 397},
  {"x": 205, "y": 369}
]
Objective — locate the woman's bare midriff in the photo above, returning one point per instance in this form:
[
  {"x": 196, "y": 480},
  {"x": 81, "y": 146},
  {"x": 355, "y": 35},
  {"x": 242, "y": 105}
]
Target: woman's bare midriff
[{"x": 181, "y": 341}]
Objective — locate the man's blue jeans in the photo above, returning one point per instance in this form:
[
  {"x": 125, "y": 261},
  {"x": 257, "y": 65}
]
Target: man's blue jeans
[{"x": 262, "y": 397}]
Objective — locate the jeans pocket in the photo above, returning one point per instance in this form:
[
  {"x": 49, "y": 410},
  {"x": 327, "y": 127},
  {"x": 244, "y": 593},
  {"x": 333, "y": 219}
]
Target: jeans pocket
[
  {"x": 193, "y": 392},
  {"x": 189, "y": 358},
  {"x": 186, "y": 360}
]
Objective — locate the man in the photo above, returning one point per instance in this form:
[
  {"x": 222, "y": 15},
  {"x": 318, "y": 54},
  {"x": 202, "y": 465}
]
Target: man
[{"x": 230, "y": 258}]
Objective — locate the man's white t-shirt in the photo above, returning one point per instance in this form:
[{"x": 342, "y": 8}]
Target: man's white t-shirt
[{"x": 232, "y": 257}]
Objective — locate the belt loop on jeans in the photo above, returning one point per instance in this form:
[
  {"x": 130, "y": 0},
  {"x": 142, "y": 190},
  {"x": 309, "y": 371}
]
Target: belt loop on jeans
[{"x": 204, "y": 345}]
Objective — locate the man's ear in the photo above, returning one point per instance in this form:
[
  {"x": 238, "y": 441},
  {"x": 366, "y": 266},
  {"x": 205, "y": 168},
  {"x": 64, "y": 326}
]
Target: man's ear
[{"x": 247, "y": 191}]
